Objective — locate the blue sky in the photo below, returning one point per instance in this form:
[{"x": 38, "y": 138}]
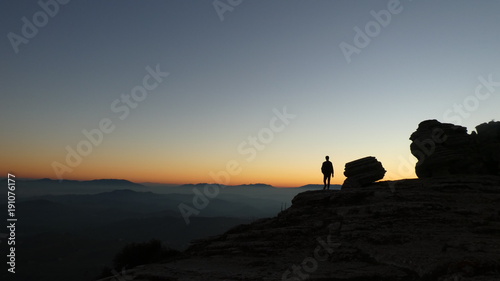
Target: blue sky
[{"x": 226, "y": 77}]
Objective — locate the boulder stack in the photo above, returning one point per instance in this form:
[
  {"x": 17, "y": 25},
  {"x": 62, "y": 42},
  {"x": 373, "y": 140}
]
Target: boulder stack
[
  {"x": 363, "y": 172},
  {"x": 444, "y": 149}
]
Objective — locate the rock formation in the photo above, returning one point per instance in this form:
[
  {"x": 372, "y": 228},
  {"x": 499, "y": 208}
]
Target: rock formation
[
  {"x": 363, "y": 172},
  {"x": 444, "y": 229},
  {"x": 444, "y": 149},
  {"x": 488, "y": 141}
]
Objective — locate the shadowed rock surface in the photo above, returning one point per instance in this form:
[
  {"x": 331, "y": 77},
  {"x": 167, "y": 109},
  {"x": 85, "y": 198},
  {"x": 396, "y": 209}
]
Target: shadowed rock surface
[
  {"x": 363, "y": 172},
  {"x": 444, "y": 149},
  {"x": 443, "y": 229},
  {"x": 488, "y": 140}
]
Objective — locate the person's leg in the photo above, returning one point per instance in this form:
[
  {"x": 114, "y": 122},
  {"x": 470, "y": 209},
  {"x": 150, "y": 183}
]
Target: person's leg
[
  {"x": 329, "y": 177},
  {"x": 324, "y": 181}
]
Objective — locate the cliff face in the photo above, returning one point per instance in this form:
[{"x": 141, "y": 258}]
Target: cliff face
[{"x": 422, "y": 229}]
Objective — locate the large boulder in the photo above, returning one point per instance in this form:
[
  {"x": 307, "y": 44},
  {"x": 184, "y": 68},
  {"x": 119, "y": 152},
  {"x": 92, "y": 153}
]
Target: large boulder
[
  {"x": 488, "y": 140},
  {"x": 363, "y": 172},
  {"x": 444, "y": 149}
]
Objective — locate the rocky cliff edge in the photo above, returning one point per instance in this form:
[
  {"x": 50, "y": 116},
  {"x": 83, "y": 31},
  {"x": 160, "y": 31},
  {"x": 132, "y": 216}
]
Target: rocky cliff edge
[{"x": 445, "y": 229}]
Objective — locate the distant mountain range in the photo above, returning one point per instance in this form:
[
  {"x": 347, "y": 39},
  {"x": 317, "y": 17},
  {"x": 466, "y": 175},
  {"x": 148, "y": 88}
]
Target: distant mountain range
[
  {"x": 115, "y": 182},
  {"x": 37, "y": 187},
  {"x": 254, "y": 185},
  {"x": 57, "y": 230}
]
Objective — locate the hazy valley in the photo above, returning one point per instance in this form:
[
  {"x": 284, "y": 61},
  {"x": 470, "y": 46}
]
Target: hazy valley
[{"x": 74, "y": 229}]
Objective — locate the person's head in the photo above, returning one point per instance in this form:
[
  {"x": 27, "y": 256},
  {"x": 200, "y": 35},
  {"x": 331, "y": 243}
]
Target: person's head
[{"x": 327, "y": 158}]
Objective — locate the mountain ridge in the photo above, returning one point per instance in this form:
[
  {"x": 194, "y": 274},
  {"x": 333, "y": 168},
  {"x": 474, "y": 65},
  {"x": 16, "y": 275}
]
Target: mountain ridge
[{"x": 120, "y": 182}]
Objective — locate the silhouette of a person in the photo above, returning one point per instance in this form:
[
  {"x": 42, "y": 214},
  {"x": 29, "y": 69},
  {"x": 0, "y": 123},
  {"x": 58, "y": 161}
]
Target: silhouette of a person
[{"x": 327, "y": 170}]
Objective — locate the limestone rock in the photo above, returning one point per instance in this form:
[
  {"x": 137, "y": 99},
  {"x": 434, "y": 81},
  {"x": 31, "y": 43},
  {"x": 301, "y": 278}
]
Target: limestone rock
[
  {"x": 488, "y": 140},
  {"x": 363, "y": 172},
  {"x": 444, "y": 149}
]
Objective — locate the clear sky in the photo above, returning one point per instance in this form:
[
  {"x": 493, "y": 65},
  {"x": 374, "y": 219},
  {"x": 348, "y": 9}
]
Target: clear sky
[{"x": 256, "y": 91}]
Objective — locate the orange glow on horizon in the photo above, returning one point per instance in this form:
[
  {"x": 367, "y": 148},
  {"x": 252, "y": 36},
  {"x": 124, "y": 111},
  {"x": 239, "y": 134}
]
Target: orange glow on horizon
[
  {"x": 156, "y": 176},
  {"x": 278, "y": 173}
]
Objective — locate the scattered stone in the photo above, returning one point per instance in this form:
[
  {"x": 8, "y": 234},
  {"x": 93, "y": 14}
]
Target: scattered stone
[{"x": 363, "y": 172}]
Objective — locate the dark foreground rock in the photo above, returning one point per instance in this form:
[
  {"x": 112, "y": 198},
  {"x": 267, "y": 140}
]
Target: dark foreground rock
[
  {"x": 443, "y": 229},
  {"x": 363, "y": 172},
  {"x": 446, "y": 149}
]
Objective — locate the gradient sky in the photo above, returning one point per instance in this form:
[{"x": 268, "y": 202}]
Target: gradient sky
[{"x": 228, "y": 77}]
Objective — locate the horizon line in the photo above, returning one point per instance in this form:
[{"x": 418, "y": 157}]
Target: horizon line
[{"x": 163, "y": 183}]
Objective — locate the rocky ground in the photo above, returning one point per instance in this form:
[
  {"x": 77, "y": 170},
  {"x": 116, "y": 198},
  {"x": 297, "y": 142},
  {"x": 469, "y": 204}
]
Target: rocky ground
[{"x": 445, "y": 229}]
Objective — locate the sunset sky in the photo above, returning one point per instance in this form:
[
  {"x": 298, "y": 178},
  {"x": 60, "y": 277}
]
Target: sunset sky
[{"x": 257, "y": 91}]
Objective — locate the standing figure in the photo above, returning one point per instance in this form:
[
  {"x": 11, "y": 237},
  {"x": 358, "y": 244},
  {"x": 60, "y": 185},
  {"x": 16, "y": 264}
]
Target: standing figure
[{"x": 327, "y": 170}]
